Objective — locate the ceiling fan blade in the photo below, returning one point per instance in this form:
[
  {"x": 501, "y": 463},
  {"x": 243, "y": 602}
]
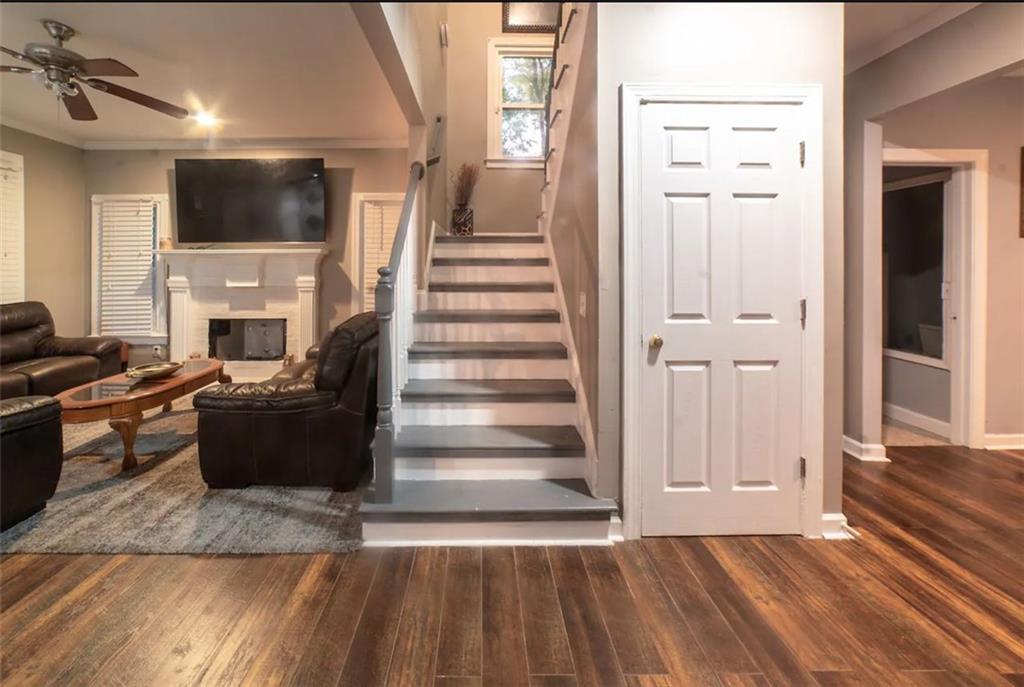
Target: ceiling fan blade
[
  {"x": 16, "y": 70},
  {"x": 17, "y": 55},
  {"x": 79, "y": 107},
  {"x": 106, "y": 66},
  {"x": 139, "y": 98}
]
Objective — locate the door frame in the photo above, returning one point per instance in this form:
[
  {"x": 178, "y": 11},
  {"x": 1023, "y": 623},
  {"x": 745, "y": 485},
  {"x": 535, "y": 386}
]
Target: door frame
[
  {"x": 967, "y": 378},
  {"x": 358, "y": 298},
  {"x": 632, "y": 98}
]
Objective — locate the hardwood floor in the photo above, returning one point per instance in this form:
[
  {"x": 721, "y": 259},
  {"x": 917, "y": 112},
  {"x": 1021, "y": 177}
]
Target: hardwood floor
[{"x": 932, "y": 593}]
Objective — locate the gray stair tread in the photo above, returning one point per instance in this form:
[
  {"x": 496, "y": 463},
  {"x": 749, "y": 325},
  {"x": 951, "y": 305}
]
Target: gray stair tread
[
  {"x": 488, "y": 349},
  {"x": 494, "y": 440},
  {"x": 492, "y": 238},
  {"x": 490, "y": 262},
  {"x": 503, "y": 315},
  {"x": 489, "y": 390},
  {"x": 493, "y": 286},
  {"x": 515, "y": 498}
]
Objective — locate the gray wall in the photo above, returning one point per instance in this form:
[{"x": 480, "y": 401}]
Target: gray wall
[
  {"x": 348, "y": 171},
  {"x": 920, "y": 388},
  {"x": 989, "y": 115},
  {"x": 574, "y": 219},
  {"x": 56, "y": 228},
  {"x": 717, "y": 43},
  {"x": 505, "y": 199}
]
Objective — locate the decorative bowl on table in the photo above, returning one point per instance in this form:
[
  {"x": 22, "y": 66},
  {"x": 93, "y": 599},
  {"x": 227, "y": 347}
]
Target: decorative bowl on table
[{"x": 150, "y": 371}]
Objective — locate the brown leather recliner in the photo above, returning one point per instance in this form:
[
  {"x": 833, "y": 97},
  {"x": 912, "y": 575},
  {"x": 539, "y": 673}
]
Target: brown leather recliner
[
  {"x": 309, "y": 425},
  {"x": 34, "y": 361},
  {"x": 31, "y": 456}
]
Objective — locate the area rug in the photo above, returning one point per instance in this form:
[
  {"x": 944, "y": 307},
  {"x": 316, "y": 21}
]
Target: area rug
[{"x": 163, "y": 505}]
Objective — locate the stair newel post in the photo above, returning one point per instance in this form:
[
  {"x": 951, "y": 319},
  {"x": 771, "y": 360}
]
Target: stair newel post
[{"x": 384, "y": 439}]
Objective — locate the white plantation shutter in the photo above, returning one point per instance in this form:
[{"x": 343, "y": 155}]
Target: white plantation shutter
[
  {"x": 126, "y": 232},
  {"x": 12, "y": 227},
  {"x": 380, "y": 220}
]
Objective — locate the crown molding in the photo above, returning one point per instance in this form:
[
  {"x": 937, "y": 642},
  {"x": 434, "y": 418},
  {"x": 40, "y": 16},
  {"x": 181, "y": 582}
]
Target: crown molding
[{"x": 248, "y": 144}]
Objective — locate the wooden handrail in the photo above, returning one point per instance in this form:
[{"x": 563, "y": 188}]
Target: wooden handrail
[{"x": 384, "y": 294}]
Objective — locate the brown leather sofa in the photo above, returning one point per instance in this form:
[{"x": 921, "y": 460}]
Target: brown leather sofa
[
  {"x": 31, "y": 455},
  {"x": 34, "y": 361},
  {"x": 309, "y": 425}
]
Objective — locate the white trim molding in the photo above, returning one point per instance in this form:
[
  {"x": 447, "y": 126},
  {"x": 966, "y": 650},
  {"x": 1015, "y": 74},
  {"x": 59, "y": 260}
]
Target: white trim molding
[
  {"x": 914, "y": 419},
  {"x": 811, "y": 265},
  {"x": 835, "y": 527},
  {"x": 214, "y": 143},
  {"x": 1004, "y": 442},
  {"x": 868, "y": 453},
  {"x": 969, "y": 300}
]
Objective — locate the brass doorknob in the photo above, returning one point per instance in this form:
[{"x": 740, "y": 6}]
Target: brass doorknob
[{"x": 656, "y": 342}]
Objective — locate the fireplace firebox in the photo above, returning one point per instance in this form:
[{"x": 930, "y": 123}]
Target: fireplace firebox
[{"x": 248, "y": 339}]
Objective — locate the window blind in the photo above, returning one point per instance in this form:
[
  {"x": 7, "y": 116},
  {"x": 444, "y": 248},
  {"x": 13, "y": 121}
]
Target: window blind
[
  {"x": 126, "y": 236},
  {"x": 380, "y": 221},
  {"x": 12, "y": 228}
]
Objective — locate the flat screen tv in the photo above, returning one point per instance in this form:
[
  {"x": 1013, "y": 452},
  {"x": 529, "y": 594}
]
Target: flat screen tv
[{"x": 243, "y": 201}]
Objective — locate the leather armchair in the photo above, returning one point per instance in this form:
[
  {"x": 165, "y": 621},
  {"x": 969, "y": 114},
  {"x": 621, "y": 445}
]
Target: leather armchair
[
  {"x": 31, "y": 456},
  {"x": 308, "y": 425},
  {"x": 35, "y": 361}
]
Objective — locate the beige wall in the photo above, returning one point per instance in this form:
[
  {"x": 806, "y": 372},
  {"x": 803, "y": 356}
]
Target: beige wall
[
  {"x": 348, "y": 171},
  {"x": 56, "y": 227},
  {"x": 574, "y": 219},
  {"x": 717, "y": 43},
  {"x": 988, "y": 115},
  {"x": 505, "y": 199}
]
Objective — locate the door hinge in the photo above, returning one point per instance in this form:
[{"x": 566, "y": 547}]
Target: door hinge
[
  {"x": 803, "y": 153},
  {"x": 803, "y": 468},
  {"x": 803, "y": 313}
]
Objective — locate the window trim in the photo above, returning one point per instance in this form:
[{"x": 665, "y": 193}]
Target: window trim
[
  {"x": 497, "y": 48},
  {"x": 158, "y": 325},
  {"x": 14, "y": 163}
]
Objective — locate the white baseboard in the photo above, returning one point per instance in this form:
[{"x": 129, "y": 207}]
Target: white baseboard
[
  {"x": 869, "y": 453},
  {"x": 1004, "y": 442},
  {"x": 929, "y": 424},
  {"x": 835, "y": 526}
]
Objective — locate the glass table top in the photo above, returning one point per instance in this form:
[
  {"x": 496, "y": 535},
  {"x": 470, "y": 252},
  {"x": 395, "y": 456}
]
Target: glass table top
[{"x": 121, "y": 386}]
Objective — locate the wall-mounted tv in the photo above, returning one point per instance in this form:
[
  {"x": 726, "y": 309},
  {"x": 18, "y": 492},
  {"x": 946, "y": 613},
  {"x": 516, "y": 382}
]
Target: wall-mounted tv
[{"x": 244, "y": 201}]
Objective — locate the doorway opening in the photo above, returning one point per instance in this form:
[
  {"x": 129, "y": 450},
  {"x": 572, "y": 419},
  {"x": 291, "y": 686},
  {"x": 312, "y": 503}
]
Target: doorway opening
[{"x": 920, "y": 232}]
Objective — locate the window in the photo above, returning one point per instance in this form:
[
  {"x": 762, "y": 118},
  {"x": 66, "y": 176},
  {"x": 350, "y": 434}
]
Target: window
[
  {"x": 12, "y": 228},
  {"x": 379, "y": 215},
  {"x": 128, "y": 298},
  {"x": 915, "y": 264},
  {"x": 519, "y": 74}
]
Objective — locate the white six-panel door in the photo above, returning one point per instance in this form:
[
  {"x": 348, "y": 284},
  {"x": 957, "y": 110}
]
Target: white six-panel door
[{"x": 720, "y": 199}]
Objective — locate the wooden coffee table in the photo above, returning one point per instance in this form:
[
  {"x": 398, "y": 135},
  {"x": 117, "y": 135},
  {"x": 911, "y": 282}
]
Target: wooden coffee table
[{"x": 121, "y": 400}]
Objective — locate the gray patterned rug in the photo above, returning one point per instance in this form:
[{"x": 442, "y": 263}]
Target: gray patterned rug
[{"x": 163, "y": 505}]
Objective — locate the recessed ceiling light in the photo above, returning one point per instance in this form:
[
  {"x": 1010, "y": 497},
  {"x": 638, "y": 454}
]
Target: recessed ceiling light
[{"x": 204, "y": 119}]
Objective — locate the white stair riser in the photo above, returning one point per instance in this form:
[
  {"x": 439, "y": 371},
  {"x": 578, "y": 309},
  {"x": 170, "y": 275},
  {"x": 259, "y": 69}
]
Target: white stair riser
[
  {"x": 488, "y": 369},
  {"x": 432, "y": 469},
  {"x": 488, "y": 331},
  {"x": 558, "y": 414},
  {"x": 489, "y": 250},
  {"x": 516, "y": 533},
  {"x": 477, "y": 300},
  {"x": 462, "y": 273}
]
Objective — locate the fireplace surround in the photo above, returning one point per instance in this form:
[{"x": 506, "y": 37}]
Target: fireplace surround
[{"x": 243, "y": 283}]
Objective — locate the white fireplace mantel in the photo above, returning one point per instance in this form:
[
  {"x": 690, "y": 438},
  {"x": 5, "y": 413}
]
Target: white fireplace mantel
[{"x": 213, "y": 283}]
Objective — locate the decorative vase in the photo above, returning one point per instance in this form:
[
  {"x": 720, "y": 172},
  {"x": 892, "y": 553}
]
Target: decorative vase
[{"x": 462, "y": 221}]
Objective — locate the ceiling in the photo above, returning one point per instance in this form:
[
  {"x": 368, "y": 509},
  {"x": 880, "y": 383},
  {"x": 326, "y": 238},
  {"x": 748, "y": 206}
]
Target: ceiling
[
  {"x": 272, "y": 72},
  {"x": 876, "y": 28}
]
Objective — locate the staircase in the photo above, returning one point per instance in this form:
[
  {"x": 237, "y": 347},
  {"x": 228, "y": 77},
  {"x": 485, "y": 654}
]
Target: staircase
[{"x": 489, "y": 450}]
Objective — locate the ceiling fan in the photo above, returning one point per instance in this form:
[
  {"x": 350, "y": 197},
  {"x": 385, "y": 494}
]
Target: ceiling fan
[{"x": 64, "y": 71}]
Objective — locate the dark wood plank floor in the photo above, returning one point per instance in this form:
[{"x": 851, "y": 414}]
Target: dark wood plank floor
[{"x": 931, "y": 594}]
